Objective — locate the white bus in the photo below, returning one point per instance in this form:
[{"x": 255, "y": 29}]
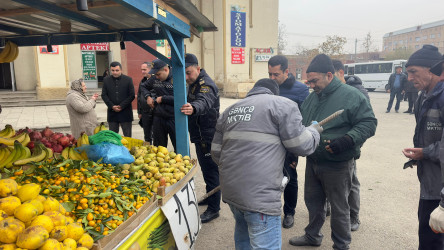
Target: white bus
[{"x": 374, "y": 75}]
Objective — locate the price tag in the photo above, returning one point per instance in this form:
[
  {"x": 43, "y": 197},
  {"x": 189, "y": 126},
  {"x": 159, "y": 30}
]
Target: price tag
[{"x": 183, "y": 216}]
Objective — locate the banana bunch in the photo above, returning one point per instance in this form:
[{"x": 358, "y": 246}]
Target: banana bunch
[
  {"x": 7, "y": 132},
  {"x": 83, "y": 140},
  {"x": 71, "y": 153},
  {"x": 129, "y": 142},
  {"x": 22, "y": 138},
  {"x": 9, "y": 53},
  {"x": 40, "y": 153},
  {"x": 100, "y": 127},
  {"x": 18, "y": 153}
]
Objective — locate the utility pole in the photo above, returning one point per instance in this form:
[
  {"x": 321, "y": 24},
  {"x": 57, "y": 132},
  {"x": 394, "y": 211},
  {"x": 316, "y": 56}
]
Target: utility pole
[{"x": 356, "y": 45}]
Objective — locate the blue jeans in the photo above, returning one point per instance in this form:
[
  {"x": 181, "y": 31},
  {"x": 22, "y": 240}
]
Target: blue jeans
[{"x": 256, "y": 231}]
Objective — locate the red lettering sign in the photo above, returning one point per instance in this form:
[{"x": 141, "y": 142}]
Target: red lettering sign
[
  {"x": 44, "y": 49},
  {"x": 95, "y": 46}
]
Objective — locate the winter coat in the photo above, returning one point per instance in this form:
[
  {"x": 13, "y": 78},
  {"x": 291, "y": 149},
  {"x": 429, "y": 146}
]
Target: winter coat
[
  {"x": 429, "y": 114},
  {"x": 82, "y": 116},
  {"x": 361, "y": 89},
  {"x": 118, "y": 91},
  {"x": 249, "y": 146},
  {"x": 142, "y": 105},
  {"x": 357, "y": 121},
  {"x": 391, "y": 82},
  {"x": 164, "y": 89},
  {"x": 203, "y": 95},
  {"x": 294, "y": 90}
]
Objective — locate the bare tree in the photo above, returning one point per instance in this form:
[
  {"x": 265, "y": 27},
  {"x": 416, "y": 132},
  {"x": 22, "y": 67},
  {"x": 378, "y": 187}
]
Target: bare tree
[
  {"x": 367, "y": 44},
  {"x": 333, "y": 46},
  {"x": 282, "y": 42}
]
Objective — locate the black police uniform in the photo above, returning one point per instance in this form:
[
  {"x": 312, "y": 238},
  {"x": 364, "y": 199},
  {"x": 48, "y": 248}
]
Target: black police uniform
[
  {"x": 163, "y": 113},
  {"x": 203, "y": 95},
  {"x": 145, "y": 86}
]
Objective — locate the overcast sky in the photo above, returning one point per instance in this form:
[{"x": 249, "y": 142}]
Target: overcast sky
[{"x": 309, "y": 22}]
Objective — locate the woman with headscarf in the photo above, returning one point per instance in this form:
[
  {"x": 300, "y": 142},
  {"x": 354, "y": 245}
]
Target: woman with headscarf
[{"x": 81, "y": 109}]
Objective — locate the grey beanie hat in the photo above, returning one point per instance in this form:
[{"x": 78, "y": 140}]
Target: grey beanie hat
[{"x": 425, "y": 57}]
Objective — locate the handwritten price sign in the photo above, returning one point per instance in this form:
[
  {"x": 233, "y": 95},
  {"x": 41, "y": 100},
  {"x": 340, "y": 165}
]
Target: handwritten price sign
[{"x": 183, "y": 216}]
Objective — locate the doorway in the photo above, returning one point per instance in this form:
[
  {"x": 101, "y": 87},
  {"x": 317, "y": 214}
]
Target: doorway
[
  {"x": 102, "y": 64},
  {"x": 5, "y": 76}
]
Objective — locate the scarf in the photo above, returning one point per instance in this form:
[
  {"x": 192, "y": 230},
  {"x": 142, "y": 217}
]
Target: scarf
[{"x": 76, "y": 85}]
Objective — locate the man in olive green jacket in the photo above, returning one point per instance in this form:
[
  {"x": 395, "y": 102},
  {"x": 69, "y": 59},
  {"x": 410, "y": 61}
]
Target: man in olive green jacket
[{"x": 328, "y": 172}]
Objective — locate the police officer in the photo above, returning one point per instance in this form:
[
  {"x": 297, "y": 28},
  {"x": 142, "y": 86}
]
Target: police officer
[
  {"x": 144, "y": 111},
  {"x": 161, "y": 100},
  {"x": 203, "y": 110}
]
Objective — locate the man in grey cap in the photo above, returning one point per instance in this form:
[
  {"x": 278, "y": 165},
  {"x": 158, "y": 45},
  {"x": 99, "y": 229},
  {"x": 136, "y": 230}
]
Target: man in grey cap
[
  {"x": 328, "y": 172},
  {"x": 437, "y": 216},
  {"x": 429, "y": 114},
  {"x": 161, "y": 99},
  {"x": 202, "y": 109}
]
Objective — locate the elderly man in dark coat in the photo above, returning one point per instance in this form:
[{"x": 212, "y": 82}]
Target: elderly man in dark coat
[{"x": 118, "y": 93}]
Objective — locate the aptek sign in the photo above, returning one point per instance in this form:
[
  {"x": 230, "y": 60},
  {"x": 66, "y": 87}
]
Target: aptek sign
[{"x": 95, "y": 46}]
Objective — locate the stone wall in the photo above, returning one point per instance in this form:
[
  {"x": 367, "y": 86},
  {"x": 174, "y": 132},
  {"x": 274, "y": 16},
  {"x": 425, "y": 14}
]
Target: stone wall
[{"x": 51, "y": 93}]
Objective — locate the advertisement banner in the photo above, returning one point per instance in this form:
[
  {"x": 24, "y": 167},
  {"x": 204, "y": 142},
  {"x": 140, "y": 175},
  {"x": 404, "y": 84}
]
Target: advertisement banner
[
  {"x": 44, "y": 49},
  {"x": 89, "y": 65},
  {"x": 237, "y": 55},
  {"x": 238, "y": 22}
]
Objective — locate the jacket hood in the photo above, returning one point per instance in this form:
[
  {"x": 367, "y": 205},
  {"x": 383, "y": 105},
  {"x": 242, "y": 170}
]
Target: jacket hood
[{"x": 334, "y": 84}]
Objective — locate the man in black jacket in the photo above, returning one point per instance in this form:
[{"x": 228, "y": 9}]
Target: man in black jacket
[
  {"x": 203, "y": 110},
  {"x": 161, "y": 100},
  {"x": 118, "y": 93},
  {"x": 395, "y": 88},
  {"x": 412, "y": 94},
  {"x": 144, "y": 111}
]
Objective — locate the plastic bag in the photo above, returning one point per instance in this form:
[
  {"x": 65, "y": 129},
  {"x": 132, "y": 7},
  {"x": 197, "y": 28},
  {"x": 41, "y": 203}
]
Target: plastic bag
[
  {"x": 108, "y": 152},
  {"x": 105, "y": 136}
]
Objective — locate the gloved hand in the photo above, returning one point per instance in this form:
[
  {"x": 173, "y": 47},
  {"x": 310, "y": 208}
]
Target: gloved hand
[
  {"x": 315, "y": 125},
  {"x": 436, "y": 221},
  {"x": 341, "y": 144}
]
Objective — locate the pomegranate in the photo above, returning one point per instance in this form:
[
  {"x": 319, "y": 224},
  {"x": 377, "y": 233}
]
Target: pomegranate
[
  {"x": 47, "y": 132},
  {"x": 56, "y": 136},
  {"x": 35, "y": 136},
  {"x": 64, "y": 141},
  {"x": 57, "y": 148},
  {"x": 30, "y": 145},
  {"x": 70, "y": 137}
]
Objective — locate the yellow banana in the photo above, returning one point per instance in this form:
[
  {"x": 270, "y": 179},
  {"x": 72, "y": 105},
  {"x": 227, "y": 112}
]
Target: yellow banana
[
  {"x": 26, "y": 140},
  {"x": 9, "y": 132},
  {"x": 12, "y": 53},
  {"x": 74, "y": 155},
  {"x": 65, "y": 153},
  {"x": 5, "y": 131},
  {"x": 10, "y": 141},
  {"x": 21, "y": 154},
  {"x": 14, "y": 153},
  {"x": 38, "y": 155},
  {"x": 83, "y": 140},
  {"x": 6, "y": 155},
  {"x": 27, "y": 152},
  {"x": 3, "y": 152},
  {"x": 49, "y": 152},
  {"x": 5, "y": 52}
]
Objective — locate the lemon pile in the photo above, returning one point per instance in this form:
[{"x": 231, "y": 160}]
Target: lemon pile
[{"x": 31, "y": 221}]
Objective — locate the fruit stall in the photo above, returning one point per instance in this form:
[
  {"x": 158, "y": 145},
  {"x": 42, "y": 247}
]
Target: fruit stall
[
  {"x": 56, "y": 196},
  {"x": 56, "y": 190}
]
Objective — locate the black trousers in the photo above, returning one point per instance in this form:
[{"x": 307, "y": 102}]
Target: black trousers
[
  {"x": 428, "y": 240},
  {"x": 291, "y": 190},
  {"x": 147, "y": 125},
  {"x": 411, "y": 96},
  {"x": 163, "y": 127},
  {"x": 126, "y": 127},
  {"x": 210, "y": 172}
]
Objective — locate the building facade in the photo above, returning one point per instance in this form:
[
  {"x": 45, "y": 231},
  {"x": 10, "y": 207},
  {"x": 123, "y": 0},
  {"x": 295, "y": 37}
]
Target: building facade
[
  {"x": 414, "y": 38},
  {"x": 235, "y": 56}
]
